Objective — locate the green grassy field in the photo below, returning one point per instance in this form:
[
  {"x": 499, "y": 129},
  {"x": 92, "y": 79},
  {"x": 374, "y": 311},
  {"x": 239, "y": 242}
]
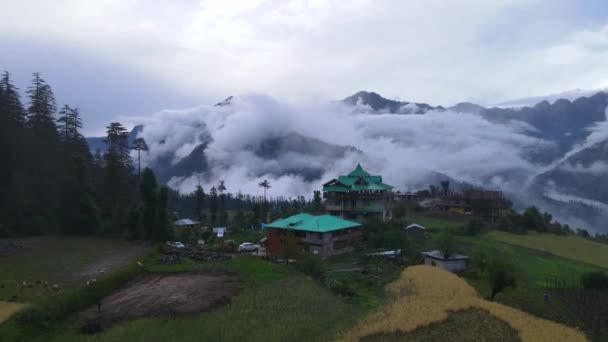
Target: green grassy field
[
  {"x": 66, "y": 261},
  {"x": 571, "y": 247}
]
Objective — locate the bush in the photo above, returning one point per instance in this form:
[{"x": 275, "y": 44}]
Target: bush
[
  {"x": 500, "y": 276},
  {"x": 595, "y": 280},
  {"x": 311, "y": 265},
  {"x": 473, "y": 227}
]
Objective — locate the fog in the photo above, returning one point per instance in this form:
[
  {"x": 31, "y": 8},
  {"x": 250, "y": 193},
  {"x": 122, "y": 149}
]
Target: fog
[{"x": 402, "y": 148}]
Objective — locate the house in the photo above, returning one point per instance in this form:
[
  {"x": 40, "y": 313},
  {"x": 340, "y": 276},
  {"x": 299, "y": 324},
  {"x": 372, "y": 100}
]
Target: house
[
  {"x": 485, "y": 204},
  {"x": 323, "y": 235},
  {"x": 415, "y": 229},
  {"x": 186, "y": 223},
  {"x": 358, "y": 196},
  {"x": 452, "y": 262}
]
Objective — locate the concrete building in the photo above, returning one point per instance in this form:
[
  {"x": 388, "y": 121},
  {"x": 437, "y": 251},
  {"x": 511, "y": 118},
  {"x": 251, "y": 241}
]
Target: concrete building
[
  {"x": 453, "y": 262},
  {"x": 322, "y": 235},
  {"x": 358, "y": 196}
]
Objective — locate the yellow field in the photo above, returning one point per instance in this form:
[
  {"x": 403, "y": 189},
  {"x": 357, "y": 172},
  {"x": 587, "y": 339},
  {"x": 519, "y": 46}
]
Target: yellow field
[
  {"x": 571, "y": 247},
  {"x": 425, "y": 294},
  {"x": 7, "y": 309}
]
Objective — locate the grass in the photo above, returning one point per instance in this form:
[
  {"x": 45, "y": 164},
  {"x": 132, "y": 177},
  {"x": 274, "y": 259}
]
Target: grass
[
  {"x": 57, "y": 260},
  {"x": 424, "y": 295},
  {"x": 294, "y": 308},
  {"x": 571, "y": 247}
]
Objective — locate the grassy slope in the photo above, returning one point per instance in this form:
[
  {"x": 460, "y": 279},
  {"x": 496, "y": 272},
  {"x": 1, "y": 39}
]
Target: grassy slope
[
  {"x": 57, "y": 260},
  {"x": 571, "y": 247},
  {"x": 278, "y": 305}
]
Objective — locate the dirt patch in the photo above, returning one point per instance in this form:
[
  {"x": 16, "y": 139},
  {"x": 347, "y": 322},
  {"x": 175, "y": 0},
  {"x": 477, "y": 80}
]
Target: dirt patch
[{"x": 154, "y": 295}]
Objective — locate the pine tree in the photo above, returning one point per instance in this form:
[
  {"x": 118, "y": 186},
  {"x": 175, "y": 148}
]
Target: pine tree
[
  {"x": 213, "y": 205},
  {"x": 222, "y": 207},
  {"x": 199, "y": 201},
  {"x": 149, "y": 197},
  {"x": 12, "y": 175},
  {"x": 43, "y": 151},
  {"x": 139, "y": 145}
]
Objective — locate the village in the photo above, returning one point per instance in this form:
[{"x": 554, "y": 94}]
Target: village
[
  {"x": 361, "y": 261},
  {"x": 349, "y": 203}
]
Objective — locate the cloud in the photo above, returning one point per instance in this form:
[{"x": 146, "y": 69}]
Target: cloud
[
  {"x": 433, "y": 51},
  {"x": 400, "y": 147}
]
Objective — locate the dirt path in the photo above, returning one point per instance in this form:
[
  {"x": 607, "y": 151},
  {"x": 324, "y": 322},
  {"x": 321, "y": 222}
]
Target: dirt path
[
  {"x": 111, "y": 260},
  {"x": 153, "y": 295}
]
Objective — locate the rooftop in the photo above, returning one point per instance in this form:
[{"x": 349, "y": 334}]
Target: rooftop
[
  {"x": 185, "y": 222},
  {"x": 441, "y": 256},
  {"x": 356, "y": 180},
  {"x": 311, "y": 223}
]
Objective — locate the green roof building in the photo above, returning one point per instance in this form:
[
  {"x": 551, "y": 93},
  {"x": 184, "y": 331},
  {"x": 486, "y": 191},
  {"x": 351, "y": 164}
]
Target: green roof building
[
  {"x": 322, "y": 235},
  {"x": 359, "y": 196}
]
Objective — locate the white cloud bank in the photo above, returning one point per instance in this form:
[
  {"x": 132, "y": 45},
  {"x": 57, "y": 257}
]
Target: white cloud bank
[{"x": 400, "y": 147}]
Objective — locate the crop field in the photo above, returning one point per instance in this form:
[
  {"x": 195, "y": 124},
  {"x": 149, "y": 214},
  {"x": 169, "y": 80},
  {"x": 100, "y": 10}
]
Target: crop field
[
  {"x": 571, "y": 247},
  {"x": 424, "y": 295}
]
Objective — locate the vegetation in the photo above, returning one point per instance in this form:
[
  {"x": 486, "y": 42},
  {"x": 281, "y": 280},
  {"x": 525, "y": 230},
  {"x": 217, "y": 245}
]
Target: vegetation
[
  {"x": 424, "y": 295},
  {"x": 595, "y": 280},
  {"x": 500, "y": 276}
]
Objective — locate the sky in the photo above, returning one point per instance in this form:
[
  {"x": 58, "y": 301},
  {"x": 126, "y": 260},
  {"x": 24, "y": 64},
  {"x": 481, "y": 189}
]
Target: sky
[{"x": 118, "y": 59}]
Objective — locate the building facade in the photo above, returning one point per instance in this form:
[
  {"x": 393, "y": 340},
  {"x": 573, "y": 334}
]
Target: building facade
[
  {"x": 359, "y": 196},
  {"x": 322, "y": 235}
]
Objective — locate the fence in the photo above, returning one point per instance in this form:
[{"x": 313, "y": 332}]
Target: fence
[{"x": 588, "y": 305}]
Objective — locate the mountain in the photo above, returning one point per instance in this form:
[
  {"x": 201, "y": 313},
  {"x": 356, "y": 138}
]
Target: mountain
[
  {"x": 381, "y": 105},
  {"x": 580, "y": 177},
  {"x": 290, "y": 154},
  {"x": 531, "y": 101}
]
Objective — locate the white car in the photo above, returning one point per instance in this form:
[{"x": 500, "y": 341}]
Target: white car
[
  {"x": 247, "y": 247},
  {"x": 178, "y": 244}
]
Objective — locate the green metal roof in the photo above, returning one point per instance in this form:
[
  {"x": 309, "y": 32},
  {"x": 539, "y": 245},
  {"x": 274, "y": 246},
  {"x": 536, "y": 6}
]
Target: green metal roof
[
  {"x": 359, "y": 172},
  {"x": 357, "y": 180},
  {"x": 310, "y": 223}
]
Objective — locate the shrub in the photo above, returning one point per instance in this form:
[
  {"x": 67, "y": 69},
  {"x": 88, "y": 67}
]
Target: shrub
[
  {"x": 500, "y": 276},
  {"x": 595, "y": 280},
  {"x": 311, "y": 265}
]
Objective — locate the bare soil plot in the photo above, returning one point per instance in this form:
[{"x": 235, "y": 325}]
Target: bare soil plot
[
  {"x": 169, "y": 295},
  {"x": 7, "y": 309}
]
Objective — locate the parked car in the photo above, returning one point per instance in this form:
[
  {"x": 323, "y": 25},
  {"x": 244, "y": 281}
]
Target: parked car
[
  {"x": 247, "y": 247},
  {"x": 178, "y": 244}
]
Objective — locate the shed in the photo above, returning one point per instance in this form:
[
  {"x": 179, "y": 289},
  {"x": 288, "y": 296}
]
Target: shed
[{"x": 452, "y": 262}]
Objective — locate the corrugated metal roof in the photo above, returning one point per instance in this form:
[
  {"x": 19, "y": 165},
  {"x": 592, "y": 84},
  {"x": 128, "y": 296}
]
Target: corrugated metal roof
[
  {"x": 185, "y": 222},
  {"x": 311, "y": 223}
]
